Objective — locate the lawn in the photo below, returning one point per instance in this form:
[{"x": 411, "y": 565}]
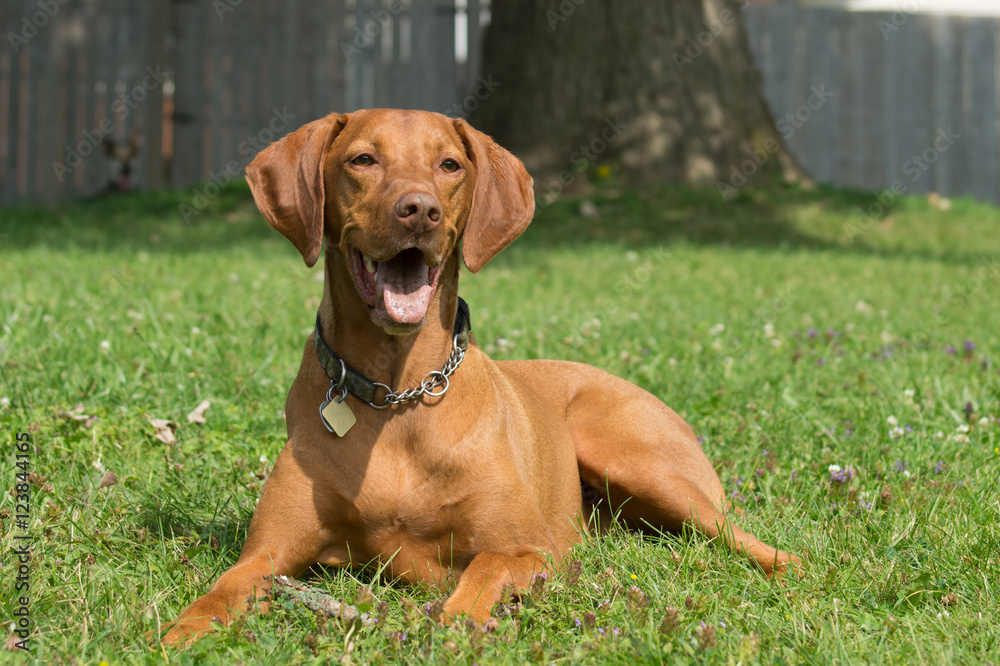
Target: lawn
[{"x": 841, "y": 370}]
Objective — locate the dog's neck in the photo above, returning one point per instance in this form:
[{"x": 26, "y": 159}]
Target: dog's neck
[{"x": 398, "y": 361}]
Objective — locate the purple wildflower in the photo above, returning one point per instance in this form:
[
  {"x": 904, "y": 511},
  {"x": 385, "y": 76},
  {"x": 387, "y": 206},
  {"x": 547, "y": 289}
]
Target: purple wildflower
[
  {"x": 812, "y": 332},
  {"x": 939, "y": 468},
  {"x": 969, "y": 346},
  {"x": 795, "y": 474},
  {"x": 739, "y": 481},
  {"x": 950, "y": 350},
  {"x": 761, "y": 472},
  {"x": 909, "y": 428},
  {"x": 899, "y": 467},
  {"x": 577, "y": 621},
  {"x": 969, "y": 409},
  {"x": 841, "y": 475},
  {"x": 701, "y": 440},
  {"x": 821, "y": 361}
]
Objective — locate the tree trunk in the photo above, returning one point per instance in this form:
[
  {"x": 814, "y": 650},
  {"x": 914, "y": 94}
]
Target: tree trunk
[{"x": 664, "y": 90}]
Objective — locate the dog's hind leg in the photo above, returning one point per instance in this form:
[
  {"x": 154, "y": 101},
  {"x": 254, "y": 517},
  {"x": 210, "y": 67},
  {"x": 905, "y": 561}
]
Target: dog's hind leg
[{"x": 646, "y": 460}]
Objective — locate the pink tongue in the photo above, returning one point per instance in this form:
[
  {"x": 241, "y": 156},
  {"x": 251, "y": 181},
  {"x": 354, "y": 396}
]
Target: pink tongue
[{"x": 405, "y": 289}]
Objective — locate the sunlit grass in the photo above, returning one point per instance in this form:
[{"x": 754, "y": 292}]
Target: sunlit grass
[{"x": 844, "y": 384}]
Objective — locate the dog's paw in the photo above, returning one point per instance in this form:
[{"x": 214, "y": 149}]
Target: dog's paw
[
  {"x": 183, "y": 632},
  {"x": 785, "y": 564}
]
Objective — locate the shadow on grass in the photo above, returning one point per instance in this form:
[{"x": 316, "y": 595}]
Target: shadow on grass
[{"x": 776, "y": 217}]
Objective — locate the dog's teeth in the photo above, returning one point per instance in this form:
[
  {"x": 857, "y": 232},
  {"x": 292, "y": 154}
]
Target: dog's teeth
[{"x": 369, "y": 265}]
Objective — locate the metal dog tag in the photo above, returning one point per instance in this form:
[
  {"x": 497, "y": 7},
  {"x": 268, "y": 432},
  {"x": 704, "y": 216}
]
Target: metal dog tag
[{"x": 337, "y": 415}]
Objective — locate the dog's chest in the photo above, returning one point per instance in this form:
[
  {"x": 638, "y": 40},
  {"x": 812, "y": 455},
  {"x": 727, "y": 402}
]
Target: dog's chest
[{"x": 414, "y": 501}]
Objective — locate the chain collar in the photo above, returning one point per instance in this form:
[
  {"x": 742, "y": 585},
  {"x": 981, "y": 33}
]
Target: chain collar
[{"x": 345, "y": 378}]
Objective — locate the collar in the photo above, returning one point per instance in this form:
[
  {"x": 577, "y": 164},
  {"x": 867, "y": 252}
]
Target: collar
[{"x": 344, "y": 376}]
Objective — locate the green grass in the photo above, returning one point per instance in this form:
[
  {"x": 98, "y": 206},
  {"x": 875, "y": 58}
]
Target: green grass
[{"x": 787, "y": 340}]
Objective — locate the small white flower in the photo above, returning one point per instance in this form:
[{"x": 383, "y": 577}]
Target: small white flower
[
  {"x": 906, "y": 473},
  {"x": 5, "y": 402},
  {"x": 908, "y": 396},
  {"x": 769, "y": 331},
  {"x": 897, "y": 432},
  {"x": 985, "y": 421},
  {"x": 195, "y": 330},
  {"x": 964, "y": 428},
  {"x": 939, "y": 435},
  {"x": 717, "y": 329},
  {"x": 961, "y": 439},
  {"x": 263, "y": 459},
  {"x": 892, "y": 421},
  {"x": 776, "y": 342},
  {"x": 835, "y": 469},
  {"x": 717, "y": 344},
  {"x": 105, "y": 345}
]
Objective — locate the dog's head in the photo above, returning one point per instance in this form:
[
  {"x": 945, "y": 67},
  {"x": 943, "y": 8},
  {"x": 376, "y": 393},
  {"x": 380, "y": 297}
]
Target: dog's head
[{"x": 393, "y": 192}]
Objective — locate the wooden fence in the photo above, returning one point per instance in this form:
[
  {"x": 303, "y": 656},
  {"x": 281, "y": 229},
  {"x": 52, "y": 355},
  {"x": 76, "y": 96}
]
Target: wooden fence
[
  {"x": 864, "y": 99},
  {"x": 868, "y": 99},
  {"x": 205, "y": 83}
]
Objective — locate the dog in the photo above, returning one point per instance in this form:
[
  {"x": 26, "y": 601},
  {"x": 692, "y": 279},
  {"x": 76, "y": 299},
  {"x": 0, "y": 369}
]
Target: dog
[
  {"x": 120, "y": 155},
  {"x": 442, "y": 462}
]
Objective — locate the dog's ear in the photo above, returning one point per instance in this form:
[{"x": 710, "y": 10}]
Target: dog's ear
[
  {"x": 287, "y": 183},
  {"x": 502, "y": 202}
]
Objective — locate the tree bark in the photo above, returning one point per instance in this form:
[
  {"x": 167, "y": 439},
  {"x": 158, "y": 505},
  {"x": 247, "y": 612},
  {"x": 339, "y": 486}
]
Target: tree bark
[{"x": 662, "y": 90}]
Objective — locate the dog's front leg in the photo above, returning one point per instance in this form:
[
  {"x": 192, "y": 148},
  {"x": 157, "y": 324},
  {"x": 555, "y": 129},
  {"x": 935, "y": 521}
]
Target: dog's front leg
[
  {"x": 286, "y": 536},
  {"x": 483, "y": 582}
]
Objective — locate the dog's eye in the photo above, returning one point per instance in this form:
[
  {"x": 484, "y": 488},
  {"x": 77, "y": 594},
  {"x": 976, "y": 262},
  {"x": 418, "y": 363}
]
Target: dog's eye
[
  {"x": 450, "y": 166},
  {"x": 363, "y": 160}
]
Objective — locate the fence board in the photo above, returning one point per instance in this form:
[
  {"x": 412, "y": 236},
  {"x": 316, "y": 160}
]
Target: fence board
[{"x": 982, "y": 127}]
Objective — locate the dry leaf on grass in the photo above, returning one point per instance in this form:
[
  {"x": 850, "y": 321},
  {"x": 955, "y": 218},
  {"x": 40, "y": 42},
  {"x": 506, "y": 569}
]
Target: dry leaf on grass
[
  {"x": 76, "y": 414},
  {"x": 164, "y": 429},
  {"x": 198, "y": 414},
  {"x": 110, "y": 479}
]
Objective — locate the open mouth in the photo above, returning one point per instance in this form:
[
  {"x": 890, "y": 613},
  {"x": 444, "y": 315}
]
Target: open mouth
[{"x": 399, "y": 288}]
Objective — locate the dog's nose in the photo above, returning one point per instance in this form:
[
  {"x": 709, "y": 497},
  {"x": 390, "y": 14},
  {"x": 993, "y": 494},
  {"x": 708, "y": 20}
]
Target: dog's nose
[{"x": 419, "y": 211}]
